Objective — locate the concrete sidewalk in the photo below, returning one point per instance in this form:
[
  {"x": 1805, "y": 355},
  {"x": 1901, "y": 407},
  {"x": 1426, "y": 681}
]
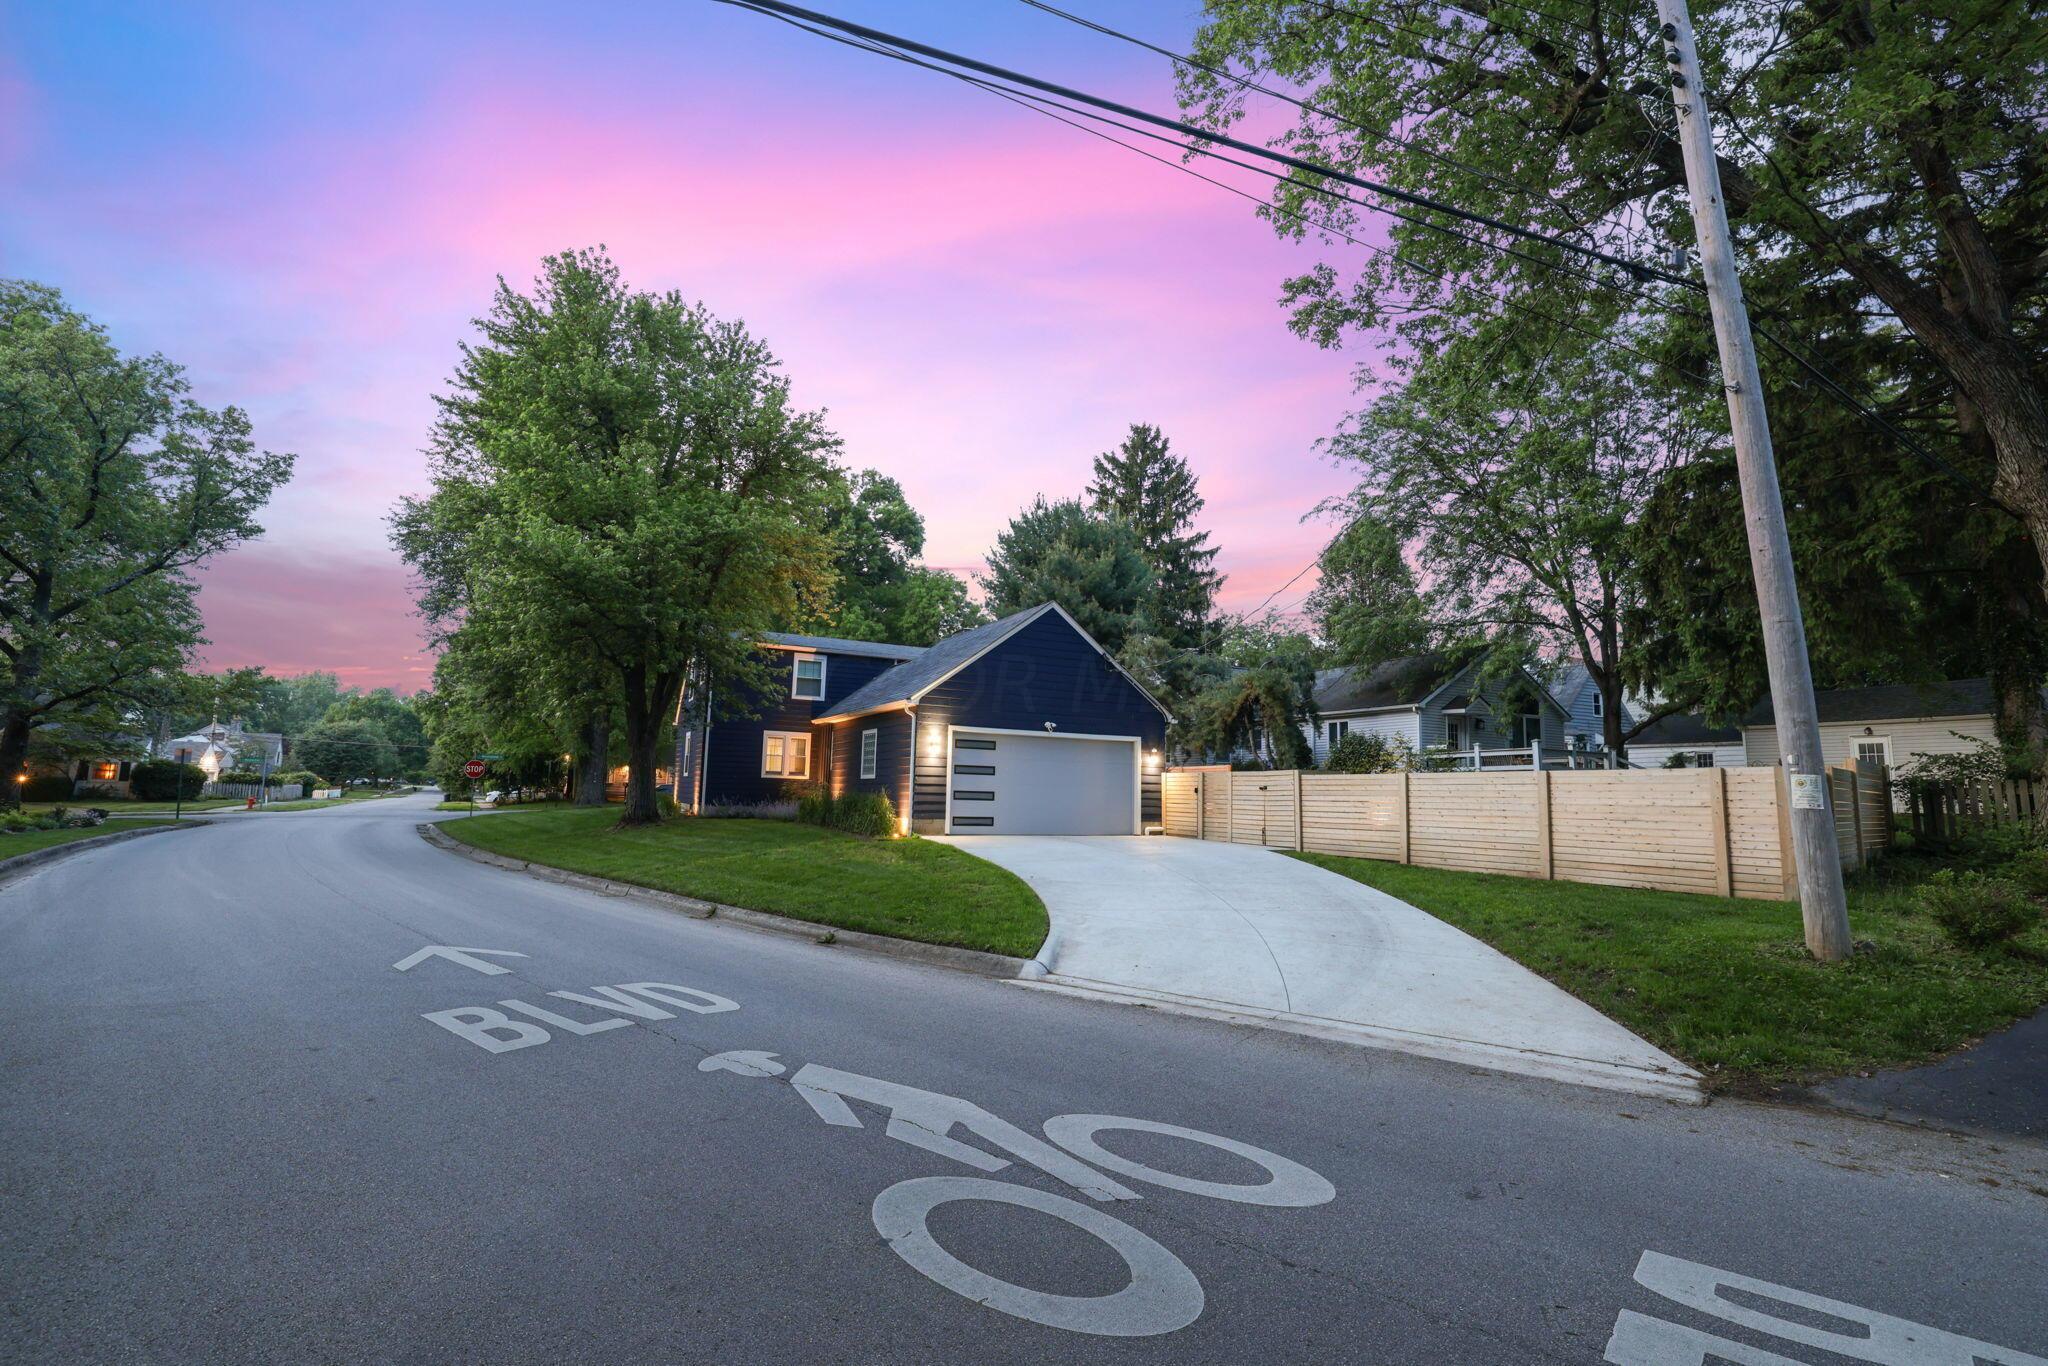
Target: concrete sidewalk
[{"x": 1245, "y": 933}]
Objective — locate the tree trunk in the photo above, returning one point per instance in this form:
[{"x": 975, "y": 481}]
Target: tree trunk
[
  {"x": 643, "y": 730},
  {"x": 648, "y": 704},
  {"x": 593, "y": 767},
  {"x": 13, "y": 758}
]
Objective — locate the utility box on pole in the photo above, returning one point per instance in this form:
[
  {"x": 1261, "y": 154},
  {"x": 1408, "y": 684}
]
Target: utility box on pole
[{"x": 1822, "y": 904}]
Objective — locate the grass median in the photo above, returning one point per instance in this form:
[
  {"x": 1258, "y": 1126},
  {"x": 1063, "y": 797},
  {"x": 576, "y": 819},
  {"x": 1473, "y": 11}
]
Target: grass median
[
  {"x": 28, "y": 841},
  {"x": 905, "y": 888},
  {"x": 1728, "y": 985}
]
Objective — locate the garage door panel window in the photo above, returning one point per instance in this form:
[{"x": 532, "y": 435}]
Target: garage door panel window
[
  {"x": 965, "y": 796},
  {"x": 975, "y": 770},
  {"x": 785, "y": 754},
  {"x": 968, "y": 742},
  {"x": 976, "y": 821}
]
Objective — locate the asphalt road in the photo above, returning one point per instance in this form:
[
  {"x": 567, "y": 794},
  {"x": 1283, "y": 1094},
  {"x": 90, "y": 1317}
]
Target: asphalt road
[{"x": 228, "y": 1132}]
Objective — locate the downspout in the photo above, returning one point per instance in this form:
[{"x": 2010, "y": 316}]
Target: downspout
[{"x": 909, "y": 776}]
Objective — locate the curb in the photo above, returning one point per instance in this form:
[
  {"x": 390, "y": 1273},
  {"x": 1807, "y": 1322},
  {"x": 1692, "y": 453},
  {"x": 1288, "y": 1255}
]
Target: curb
[
  {"x": 10, "y": 868},
  {"x": 933, "y": 955}
]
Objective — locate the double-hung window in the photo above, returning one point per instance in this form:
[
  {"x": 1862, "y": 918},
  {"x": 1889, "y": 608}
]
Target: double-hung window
[
  {"x": 807, "y": 678},
  {"x": 1337, "y": 731},
  {"x": 785, "y": 754},
  {"x": 869, "y": 742}
]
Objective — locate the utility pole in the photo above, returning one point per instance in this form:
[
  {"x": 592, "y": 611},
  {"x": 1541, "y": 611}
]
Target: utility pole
[{"x": 1821, "y": 902}]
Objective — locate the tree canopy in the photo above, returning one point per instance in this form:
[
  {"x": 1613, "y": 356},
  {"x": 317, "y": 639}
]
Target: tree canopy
[
  {"x": 1092, "y": 565},
  {"x": 114, "y": 484},
  {"x": 883, "y": 592},
  {"x": 622, "y": 478},
  {"x": 1150, "y": 489}
]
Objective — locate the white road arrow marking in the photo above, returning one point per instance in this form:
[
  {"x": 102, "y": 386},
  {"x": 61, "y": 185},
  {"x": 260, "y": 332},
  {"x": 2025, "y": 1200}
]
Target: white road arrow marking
[{"x": 455, "y": 955}]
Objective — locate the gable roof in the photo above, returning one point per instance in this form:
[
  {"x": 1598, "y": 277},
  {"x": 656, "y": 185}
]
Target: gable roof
[
  {"x": 910, "y": 680},
  {"x": 1403, "y": 682},
  {"x": 1691, "y": 729},
  {"x": 836, "y": 646},
  {"x": 1894, "y": 702}
]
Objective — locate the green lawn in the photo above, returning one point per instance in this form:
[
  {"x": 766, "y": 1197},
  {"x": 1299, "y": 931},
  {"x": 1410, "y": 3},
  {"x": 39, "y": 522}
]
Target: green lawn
[
  {"x": 118, "y": 805},
  {"x": 26, "y": 841},
  {"x": 1728, "y": 985},
  {"x": 908, "y": 888}
]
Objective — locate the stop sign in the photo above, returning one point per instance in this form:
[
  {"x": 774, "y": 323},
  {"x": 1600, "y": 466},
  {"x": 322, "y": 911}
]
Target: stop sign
[{"x": 473, "y": 769}]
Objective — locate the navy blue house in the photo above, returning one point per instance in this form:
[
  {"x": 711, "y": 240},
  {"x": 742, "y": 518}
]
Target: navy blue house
[{"x": 1024, "y": 726}]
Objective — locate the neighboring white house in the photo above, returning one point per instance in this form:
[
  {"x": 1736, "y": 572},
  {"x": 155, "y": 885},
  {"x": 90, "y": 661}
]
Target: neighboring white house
[
  {"x": 1890, "y": 724},
  {"x": 1429, "y": 702},
  {"x": 218, "y": 748},
  {"x": 1585, "y": 726},
  {"x": 1698, "y": 744}
]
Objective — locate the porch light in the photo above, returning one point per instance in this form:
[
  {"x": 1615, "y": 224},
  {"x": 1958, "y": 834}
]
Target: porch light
[{"x": 1152, "y": 761}]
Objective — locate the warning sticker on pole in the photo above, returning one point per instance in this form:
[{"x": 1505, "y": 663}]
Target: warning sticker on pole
[{"x": 1809, "y": 792}]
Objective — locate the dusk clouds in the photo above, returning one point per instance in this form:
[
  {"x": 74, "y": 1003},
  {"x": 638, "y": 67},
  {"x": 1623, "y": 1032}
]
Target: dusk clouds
[{"x": 306, "y": 212}]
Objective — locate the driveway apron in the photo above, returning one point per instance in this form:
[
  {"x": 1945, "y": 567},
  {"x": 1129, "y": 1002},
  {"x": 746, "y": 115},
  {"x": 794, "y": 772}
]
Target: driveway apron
[{"x": 1248, "y": 933}]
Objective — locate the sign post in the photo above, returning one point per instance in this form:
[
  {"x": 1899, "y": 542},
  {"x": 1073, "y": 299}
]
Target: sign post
[{"x": 474, "y": 771}]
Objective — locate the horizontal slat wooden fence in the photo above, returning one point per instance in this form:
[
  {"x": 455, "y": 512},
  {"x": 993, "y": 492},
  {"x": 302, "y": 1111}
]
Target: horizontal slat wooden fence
[{"x": 1715, "y": 831}]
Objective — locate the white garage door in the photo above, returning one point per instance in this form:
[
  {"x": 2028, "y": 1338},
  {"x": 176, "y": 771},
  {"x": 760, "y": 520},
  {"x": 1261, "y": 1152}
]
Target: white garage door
[{"x": 1042, "y": 785}]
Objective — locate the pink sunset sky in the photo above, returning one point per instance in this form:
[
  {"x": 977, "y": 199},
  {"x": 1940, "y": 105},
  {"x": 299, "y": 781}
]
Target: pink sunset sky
[{"x": 305, "y": 210}]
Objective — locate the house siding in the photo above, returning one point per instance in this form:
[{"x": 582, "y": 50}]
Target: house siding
[
  {"x": 732, "y": 750},
  {"x": 1394, "y": 725},
  {"x": 1726, "y": 754},
  {"x": 1916, "y": 735},
  {"x": 892, "y": 756},
  {"x": 1045, "y": 672}
]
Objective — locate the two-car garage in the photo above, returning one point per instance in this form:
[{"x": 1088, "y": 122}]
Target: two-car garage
[{"x": 1017, "y": 783}]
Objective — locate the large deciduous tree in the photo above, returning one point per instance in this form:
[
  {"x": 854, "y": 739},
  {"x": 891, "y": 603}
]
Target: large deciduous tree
[
  {"x": 1521, "y": 495},
  {"x": 1365, "y": 603},
  {"x": 1152, "y": 490},
  {"x": 883, "y": 592},
  {"x": 622, "y": 478},
  {"x": 1090, "y": 564},
  {"x": 113, "y": 485},
  {"x": 1884, "y": 169}
]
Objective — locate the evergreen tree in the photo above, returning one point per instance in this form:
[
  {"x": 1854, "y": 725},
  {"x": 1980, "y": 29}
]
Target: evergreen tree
[
  {"x": 1365, "y": 604},
  {"x": 1143, "y": 483},
  {"x": 1089, "y": 564}
]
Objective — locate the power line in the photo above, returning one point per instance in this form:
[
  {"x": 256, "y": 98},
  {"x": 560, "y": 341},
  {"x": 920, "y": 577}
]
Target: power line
[{"x": 1301, "y": 164}]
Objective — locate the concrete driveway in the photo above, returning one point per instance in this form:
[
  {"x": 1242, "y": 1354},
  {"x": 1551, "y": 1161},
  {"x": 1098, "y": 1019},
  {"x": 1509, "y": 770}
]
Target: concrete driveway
[{"x": 1246, "y": 933}]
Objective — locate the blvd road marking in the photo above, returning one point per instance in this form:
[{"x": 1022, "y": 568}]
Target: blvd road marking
[
  {"x": 496, "y": 1032},
  {"x": 1852, "y": 1331},
  {"x": 455, "y": 955}
]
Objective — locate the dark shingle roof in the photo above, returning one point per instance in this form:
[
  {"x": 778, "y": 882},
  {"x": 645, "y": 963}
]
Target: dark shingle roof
[
  {"x": 906, "y": 680},
  {"x": 834, "y": 645},
  {"x": 1960, "y": 697},
  {"x": 1396, "y": 683},
  {"x": 1687, "y": 730}
]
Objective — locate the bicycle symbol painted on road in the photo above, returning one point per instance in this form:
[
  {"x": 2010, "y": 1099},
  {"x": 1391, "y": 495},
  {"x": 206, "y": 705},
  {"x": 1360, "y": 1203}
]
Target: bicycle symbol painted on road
[{"x": 1163, "y": 1295}]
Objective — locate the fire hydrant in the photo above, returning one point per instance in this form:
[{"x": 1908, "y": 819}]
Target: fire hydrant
[{"x": 252, "y": 804}]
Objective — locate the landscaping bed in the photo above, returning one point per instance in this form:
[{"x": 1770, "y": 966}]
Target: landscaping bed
[
  {"x": 1727, "y": 985},
  {"x": 906, "y": 888}
]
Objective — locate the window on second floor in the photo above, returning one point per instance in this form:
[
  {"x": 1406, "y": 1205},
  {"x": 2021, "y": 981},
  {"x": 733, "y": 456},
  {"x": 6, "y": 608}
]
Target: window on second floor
[
  {"x": 1599, "y": 704},
  {"x": 807, "y": 680}
]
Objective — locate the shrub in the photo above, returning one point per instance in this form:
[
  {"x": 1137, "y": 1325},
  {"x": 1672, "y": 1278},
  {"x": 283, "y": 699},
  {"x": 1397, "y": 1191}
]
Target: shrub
[
  {"x": 47, "y": 787},
  {"x": 749, "y": 811},
  {"x": 161, "y": 780},
  {"x": 240, "y": 775},
  {"x": 663, "y": 803},
  {"x": 1369, "y": 754},
  {"x": 2029, "y": 869},
  {"x": 1976, "y": 911},
  {"x": 865, "y": 813},
  {"x": 858, "y": 813}
]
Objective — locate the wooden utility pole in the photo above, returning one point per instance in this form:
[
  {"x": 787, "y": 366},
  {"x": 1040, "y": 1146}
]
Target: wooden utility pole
[{"x": 1821, "y": 901}]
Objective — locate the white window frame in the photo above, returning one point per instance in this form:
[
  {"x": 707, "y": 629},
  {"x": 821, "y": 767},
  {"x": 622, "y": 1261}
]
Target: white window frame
[
  {"x": 796, "y": 678},
  {"x": 785, "y": 736},
  {"x": 870, "y": 746},
  {"x": 1857, "y": 743},
  {"x": 1335, "y": 731},
  {"x": 1599, "y": 704}
]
